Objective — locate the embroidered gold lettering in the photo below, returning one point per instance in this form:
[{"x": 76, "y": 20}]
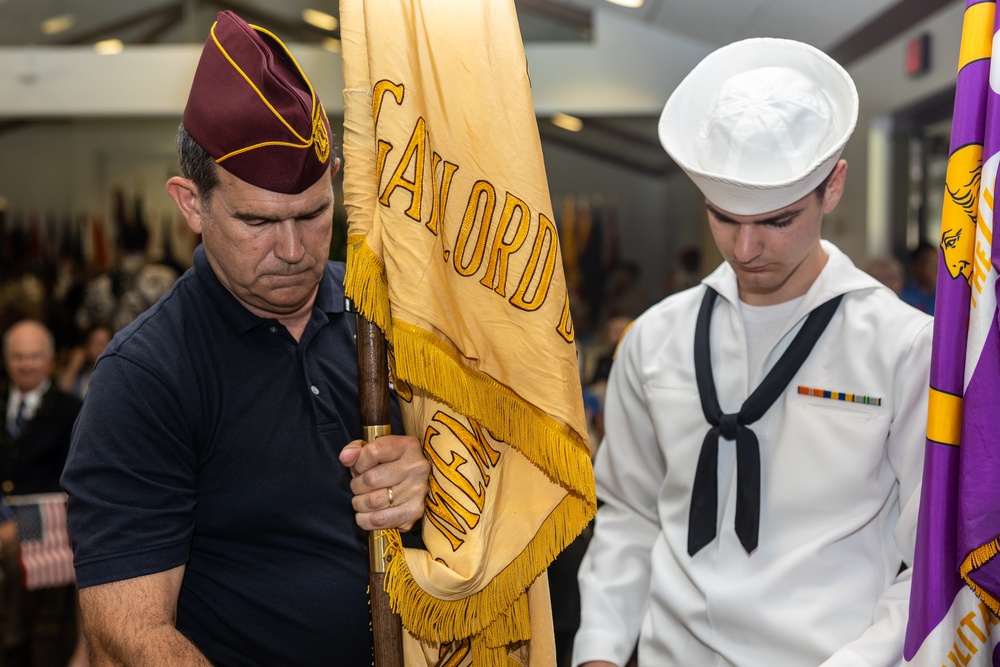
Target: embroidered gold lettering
[
  {"x": 483, "y": 454},
  {"x": 378, "y": 94},
  {"x": 956, "y": 653},
  {"x": 496, "y": 270},
  {"x": 383, "y": 149},
  {"x": 482, "y": 192},
  {"x": 970, "y": 622},
  {"x": 451, "y": 470},
  {"x": 565, "y": 327},
  {"x": 980, "y": 634},
  {"x": 445, "y": 511},
  {"x": 980, "y": 267},
  {"x": 982, "y": 257},
  {"x": 968, "y": 644},
  {"x": 414, "y": 154},
  {"x": 506, "y": 246},
  {"x": 440, "y": 192},
  {"x": 546, "y": 233}
]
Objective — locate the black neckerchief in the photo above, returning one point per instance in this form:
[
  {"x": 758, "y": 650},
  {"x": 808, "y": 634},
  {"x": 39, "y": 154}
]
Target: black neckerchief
[{"x": 705, "y": 493}]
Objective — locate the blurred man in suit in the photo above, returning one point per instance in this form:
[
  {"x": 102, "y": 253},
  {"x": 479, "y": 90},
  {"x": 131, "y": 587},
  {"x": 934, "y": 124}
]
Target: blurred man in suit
[{"x": 39, "y": 417}]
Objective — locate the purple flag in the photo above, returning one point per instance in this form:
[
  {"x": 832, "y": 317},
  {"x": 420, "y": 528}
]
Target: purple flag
[{"x": 956, "y": 571}]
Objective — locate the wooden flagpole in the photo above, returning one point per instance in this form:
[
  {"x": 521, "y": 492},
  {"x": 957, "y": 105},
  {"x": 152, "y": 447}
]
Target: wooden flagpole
[{"x": 373, "y": 393}]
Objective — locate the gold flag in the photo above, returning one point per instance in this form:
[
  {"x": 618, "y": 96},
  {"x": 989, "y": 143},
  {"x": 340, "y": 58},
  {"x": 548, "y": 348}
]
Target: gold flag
[{"x": 453, "y": 253}]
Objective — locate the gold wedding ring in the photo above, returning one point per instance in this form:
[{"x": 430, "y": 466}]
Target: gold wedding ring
[{"x": 389, "y": 489}]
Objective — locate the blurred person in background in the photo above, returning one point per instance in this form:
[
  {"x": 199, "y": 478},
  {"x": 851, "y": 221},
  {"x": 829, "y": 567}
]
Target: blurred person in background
[
  {"x": 74, "y": 378},
  {"x": 887, "y": 270},
  {"x": 921, "y": 284},
  {"x": 116, "y": 297},
  {"x": 41, "y": 619}
]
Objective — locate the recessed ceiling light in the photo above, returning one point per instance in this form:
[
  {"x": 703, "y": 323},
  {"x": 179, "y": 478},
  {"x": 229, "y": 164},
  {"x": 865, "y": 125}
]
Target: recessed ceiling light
[
  {"x": 567, "y": 122},
  {"x": 109, "y": 47},
  {"x": 319, "y": 19},
  {"x": 627, "y": 3},
  {"x": 331, "y": 44},
  {"x": 58, "y": 24}
]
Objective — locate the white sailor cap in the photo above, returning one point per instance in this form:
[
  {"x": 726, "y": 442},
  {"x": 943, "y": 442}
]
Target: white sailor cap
[{"x": 759, "y": 124}]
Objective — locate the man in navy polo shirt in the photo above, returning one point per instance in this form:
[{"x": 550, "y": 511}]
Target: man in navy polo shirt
[{"x": 218, "y": 490}]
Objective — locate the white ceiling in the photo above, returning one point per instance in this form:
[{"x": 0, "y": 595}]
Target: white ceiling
[
  {"x": 822, "y": 23},
  {"x": 826, "y": 24}
]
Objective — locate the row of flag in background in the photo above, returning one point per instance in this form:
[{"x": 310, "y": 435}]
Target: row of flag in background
[
  {"x": 587, "y": 223},
  {"x": 37, "y": 241},
  {"x": 588, "y": 235},
  {"x": 956, "y": 571}
]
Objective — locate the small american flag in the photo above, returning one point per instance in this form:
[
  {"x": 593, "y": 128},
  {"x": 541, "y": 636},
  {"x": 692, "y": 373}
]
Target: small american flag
[{"x": 45, "y": 552}]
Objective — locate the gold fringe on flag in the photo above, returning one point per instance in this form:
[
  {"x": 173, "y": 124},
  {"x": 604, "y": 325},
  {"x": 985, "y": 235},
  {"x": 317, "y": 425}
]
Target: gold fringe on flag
[{"x": 978, "y": 558}]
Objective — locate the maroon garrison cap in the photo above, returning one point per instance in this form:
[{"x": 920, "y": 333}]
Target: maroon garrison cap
[{"x": 254, "y": 111}]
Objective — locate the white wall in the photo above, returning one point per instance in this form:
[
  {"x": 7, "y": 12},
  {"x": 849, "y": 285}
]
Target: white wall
[{"x": 71, "y": 165}]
